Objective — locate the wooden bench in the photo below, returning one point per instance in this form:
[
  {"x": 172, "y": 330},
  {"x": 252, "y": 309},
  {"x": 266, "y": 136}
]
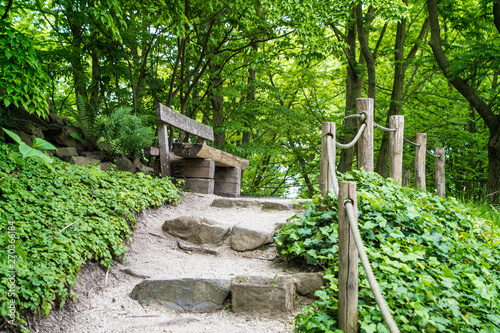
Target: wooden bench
[{"x": 205, "y": 169}]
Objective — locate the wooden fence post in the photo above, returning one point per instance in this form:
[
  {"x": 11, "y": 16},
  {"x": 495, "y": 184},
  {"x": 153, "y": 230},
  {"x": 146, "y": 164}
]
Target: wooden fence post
[
  {"x": 163, "y": 144},
  {"x": 348, "y": 262},
  {"x": 365, "y": 143},
  {"x": 327, "y": 129},
  {"x": 440, "y": 177},
  {"x": 420, "y": 154},
  {"x": 396, "y": 143}
]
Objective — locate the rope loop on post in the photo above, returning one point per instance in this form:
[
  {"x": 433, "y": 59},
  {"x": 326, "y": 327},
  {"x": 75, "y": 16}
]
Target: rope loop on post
[
  {"x": 362, "y": 116},
  {"x": 385, "y": 129}
]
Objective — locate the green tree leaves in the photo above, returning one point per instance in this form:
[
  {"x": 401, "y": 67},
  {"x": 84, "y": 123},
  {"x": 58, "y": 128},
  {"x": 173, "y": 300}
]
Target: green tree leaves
[{"x": 22, "y": 80}]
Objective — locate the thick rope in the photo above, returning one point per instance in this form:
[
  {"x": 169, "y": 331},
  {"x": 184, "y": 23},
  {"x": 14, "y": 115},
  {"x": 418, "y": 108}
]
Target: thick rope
[
  {"x": 360, "y": 116},
  {"x": 391, "y": 324},
  {"x": 412, "y": 143},
  {"x": 431, "y": 154},
  {"x": 393, "y": 328},
  {"x": 385, "y": 129},
  {"x": 354, "y": 141}
]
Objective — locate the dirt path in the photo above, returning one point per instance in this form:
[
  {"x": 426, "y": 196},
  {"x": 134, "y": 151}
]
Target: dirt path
[{"x": 103, "y": 303}]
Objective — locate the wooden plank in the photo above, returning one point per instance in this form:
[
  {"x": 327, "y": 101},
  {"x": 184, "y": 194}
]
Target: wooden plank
[
  {"x": 198, "y": 150},
  {"x": 348, "y": 262},
  {"x": 193, "y": 168},
  {"x": 227, "y": 175},
  {"x": 199, "y": 185},
  {"x": 169, "y": 116},
  {"x": 365, "y": 143},
  {"x": 420, "y": 155},
  {"x": 152, "y": 151},
  {"x": 396, "y": 147},
  {"x": 440, "y": 176},
  {"x": 327, "y": 131}
]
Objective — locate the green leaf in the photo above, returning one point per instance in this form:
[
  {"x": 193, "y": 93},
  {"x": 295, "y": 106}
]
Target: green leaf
[
  {"x": 13, "y": 135},
  {"x": 42, "y": 144}
]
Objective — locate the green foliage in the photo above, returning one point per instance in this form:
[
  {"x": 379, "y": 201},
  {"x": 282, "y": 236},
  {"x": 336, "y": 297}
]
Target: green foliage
[
  {"x": 125, "y": 133},
  {"x": 26, "y": 152},
  {"x": 88, "y": 120},
  {"x": 63, "y": 219},
  {"x": 437, "y": 265},
  {"x": 22, "y": 80}
]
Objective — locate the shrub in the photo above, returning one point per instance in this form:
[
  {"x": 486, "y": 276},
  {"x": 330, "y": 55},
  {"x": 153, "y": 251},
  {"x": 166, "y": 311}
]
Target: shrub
[{"x": 437, "y": 265}]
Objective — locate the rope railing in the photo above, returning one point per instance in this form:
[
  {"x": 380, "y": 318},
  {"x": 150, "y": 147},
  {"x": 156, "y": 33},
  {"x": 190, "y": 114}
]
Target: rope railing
[
  {"x": 359, "y": 243},
  {"x": 354, "y": 141},
  {"x": 385, "y": 129},
  {"x": 431, "y": 154},
  {"x": 384, "y": 309},
  {"x": 411, "y": 143}
]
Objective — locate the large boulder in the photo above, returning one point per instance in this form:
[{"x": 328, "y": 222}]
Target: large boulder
[
  {"x": 198, "y": 230},
  {"x": 124, "y": 164},
  {"x": 247, "y": 236},
  {"x": 197, "y": 295},
  {"x": 306, "y": 284},
  {"x": 258, "y": 294}
]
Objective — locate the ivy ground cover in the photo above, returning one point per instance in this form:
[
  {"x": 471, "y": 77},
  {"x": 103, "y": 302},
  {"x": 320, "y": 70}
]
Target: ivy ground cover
[
  {"x": 438, "y": 266},
  {"x": 52, "y": 222}
]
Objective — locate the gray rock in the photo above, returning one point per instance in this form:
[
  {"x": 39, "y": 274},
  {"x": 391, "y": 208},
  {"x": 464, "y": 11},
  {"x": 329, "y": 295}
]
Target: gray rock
[
  {"x": 306, "y": 284},
  {"x": 262, "y": 294},
  {"x": 98, "y": 155},
  {"x": 107, "y": 166},
  {"x": 61, "y": 135},
  {"x": 57, "y": 119},
  {"x": 197, "y": 295},
  {"x": 279, "y": 206},
  {"x": 229, "y": 203},
  {"x": 65, "y": 153},
  {"x": 245, "y": 237},
  {"x": 80, "y": 160},
  {"x": 124, "y": 164},
  {"x": 198, "y": 230}
]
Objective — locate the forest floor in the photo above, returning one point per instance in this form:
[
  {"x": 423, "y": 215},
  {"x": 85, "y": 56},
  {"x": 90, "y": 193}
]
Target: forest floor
[{"x": 102, "y": 297}]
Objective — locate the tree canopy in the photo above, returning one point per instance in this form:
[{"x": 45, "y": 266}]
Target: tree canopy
[{"x": 265, "y": 74}]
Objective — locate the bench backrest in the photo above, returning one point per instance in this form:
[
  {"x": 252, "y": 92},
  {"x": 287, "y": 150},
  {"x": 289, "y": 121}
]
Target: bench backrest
[{"x": 186, "y": 124}]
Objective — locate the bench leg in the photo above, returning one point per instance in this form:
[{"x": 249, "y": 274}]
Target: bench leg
[{"x": 227, "y": 182}]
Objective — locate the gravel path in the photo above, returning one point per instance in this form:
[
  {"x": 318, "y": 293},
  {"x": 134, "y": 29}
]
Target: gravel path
[{"x": 103, "y": 303}]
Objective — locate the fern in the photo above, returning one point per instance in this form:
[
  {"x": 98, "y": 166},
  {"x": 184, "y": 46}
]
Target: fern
[
  {"x": 125, "y": 133},
  {"x": 88, "y": 120}
]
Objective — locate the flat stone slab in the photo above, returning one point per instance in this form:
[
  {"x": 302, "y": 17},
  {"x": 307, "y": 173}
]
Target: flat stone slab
[
  {"x": 194, "y": 295},
  {"x": 264, "y": 204},
  {"x": 198, "y": 230},
  {"x": 258, "y": 294},
  {"x": 246, "y": 236}
]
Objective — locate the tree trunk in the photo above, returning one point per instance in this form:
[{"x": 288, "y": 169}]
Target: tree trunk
[
  {"x": 217, "y": 101},
  {"x": 396, "y": 96},
  {"x": 354, "y": 86},
  {"x": 491, "y": 120}
]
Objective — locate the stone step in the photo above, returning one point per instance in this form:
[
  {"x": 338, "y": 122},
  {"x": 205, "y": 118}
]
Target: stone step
[
  {"x": 244, "y": 236},
  {"x": 274, "y": 204},
  {"x": 249, "y": 294}
]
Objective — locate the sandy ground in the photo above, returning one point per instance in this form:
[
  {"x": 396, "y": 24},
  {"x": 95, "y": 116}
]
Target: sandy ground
[{"x": 103, "y": 303}]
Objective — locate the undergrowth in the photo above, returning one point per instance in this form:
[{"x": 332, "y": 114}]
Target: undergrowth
[
  {"x": 438, "y": 266},
  {"x": 59, "y": 220}
]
